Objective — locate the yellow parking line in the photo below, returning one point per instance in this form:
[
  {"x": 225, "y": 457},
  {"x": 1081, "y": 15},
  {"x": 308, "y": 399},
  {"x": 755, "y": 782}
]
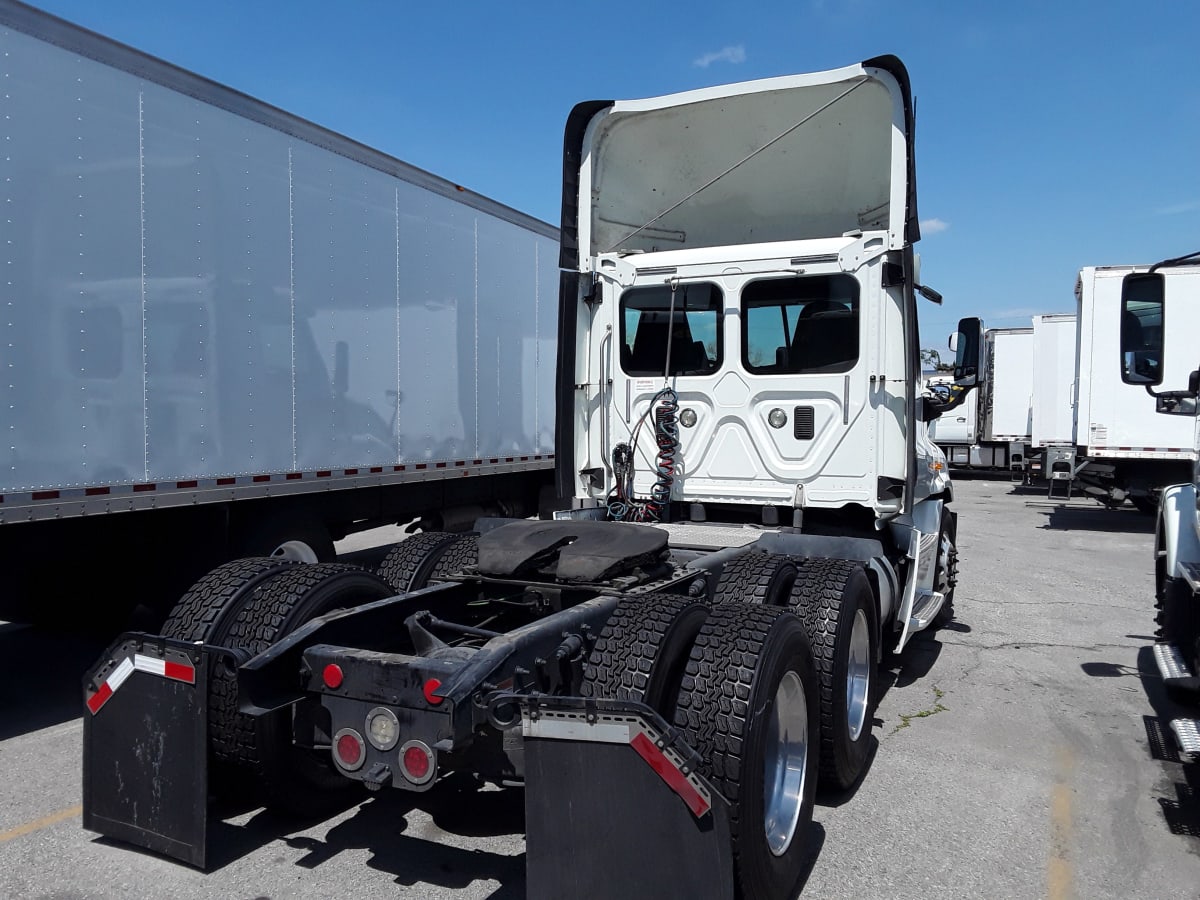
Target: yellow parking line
[
  {"x": 38, "y": 824},
  {"x": 1060, "y": 876}
]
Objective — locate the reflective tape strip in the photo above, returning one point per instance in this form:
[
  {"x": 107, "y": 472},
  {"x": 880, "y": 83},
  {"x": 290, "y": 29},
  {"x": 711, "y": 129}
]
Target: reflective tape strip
[
  {"x": 670, "y": 773},
  {"x": 164, "y": 668},
  {"x": 114, "y": 680},
  {"x": 150, "y": 664},
  {"x": 99, "y": 698},
  {"x": 120, "y": 673},
  {"x": 246, "y": 479}
]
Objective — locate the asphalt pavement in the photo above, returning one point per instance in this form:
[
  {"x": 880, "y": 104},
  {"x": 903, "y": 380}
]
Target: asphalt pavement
[{"x": 1021, "y": 753}]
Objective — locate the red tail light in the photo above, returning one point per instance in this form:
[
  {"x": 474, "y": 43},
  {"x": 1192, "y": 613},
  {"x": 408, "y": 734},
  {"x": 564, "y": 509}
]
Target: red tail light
[
  {"x": 416, "y": 759},
  {"x": 332, "y": 676},
  {"x": 430, "y": 686},
  {"x": 349, "y": 751}
]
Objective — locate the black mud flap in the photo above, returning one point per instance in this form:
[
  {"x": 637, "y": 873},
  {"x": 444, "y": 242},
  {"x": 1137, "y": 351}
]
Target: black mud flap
[
  {"x": 615, "y": 809},
  {"x": 145, "y": 746}
]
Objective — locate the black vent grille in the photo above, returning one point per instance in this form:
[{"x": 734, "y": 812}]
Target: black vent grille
[{"x": 805, "y": 423}]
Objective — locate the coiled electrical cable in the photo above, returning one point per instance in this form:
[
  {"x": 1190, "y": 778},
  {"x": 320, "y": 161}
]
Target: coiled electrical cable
[{"x": 623, "y": 505}]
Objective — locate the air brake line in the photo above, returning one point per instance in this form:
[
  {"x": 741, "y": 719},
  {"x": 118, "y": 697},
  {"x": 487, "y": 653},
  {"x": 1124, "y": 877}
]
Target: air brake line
[{"x": 623, "y": 505}]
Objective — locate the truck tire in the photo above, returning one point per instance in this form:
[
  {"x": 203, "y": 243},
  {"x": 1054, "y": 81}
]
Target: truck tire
[
  {"x": 834, "y": 599},
  {"x": 748, "y": 705},
  {"x": 205, "y": 613},
  {"x": 463, "y": 551},
  {"x": 292, "y": 779},
  {"x": 945, "y": 574},
  {"x": 754, "y": 577},
  {"x": 408, "y": 565},
  {"x": 641, "y": 653}
]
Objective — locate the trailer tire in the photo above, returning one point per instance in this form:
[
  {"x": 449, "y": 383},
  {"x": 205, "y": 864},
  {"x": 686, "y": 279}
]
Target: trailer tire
[
  {"x": 834, "y": 599},
  {"x": 754, "y": 577},
  {"x": 463, "y": 551},
  {"x": 297, "y": 536},
  {"x": 750, "y": 667},
  {"x": 1147, "y": 506},
  {"x": 641, "y": 653},
  {"x": 291, "y": 779},
  {"x": 945, "y": 574},
  {"x": 409, "y": 564}
]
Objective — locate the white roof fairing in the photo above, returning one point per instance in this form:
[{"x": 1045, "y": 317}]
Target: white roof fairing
[{"x": 791, "y": 158}]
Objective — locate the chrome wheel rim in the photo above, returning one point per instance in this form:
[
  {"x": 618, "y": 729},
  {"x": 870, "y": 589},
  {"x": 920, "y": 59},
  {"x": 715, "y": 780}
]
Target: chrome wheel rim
[
  {"x": 785, "y": 763},
  {"x": 858, "y": 675}
]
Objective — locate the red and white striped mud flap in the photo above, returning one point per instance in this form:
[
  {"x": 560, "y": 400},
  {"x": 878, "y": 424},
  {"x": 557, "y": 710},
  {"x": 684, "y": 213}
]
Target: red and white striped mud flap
[
  {"x": 145, "y": 746},
  {"x": 615, "y": 809}
]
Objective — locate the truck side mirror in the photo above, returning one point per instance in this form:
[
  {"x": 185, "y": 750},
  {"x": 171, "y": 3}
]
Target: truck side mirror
[
  {"x": 966, "y": 344},
  {"x": 1180, "y": 403},
  {"x": 1142, "y": 308}
]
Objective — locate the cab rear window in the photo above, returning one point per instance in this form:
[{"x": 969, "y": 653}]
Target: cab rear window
[
  {"x": 693, "y": 330},
  {"x": 795, "y": 326}
]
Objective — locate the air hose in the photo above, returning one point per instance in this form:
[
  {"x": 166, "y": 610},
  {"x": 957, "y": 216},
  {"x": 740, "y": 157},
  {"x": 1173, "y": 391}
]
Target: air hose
[{"x": 623, "y": 506}]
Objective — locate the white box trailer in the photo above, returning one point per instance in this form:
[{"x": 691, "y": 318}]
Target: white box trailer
[
  {"x": 1054, "y": 348},
  {"x": 1053, "y": 410},
  {"x": 241, "y": 331},
  {"x": 992, "y": 430},
  {"x": 1125, "y": 449}
]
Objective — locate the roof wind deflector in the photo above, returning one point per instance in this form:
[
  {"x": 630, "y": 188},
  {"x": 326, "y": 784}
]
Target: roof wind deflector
[
  {"x": 894, "y": 67},
  {"x": 577, "y": 123},
  {"x": 799, "y": 157}
]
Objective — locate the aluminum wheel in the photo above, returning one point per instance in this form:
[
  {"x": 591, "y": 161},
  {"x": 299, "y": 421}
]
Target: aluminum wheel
[
  {"x": 297, "y": 551},
  {"x": 785, "y": 764},
  {"x": 858, "y": 674}
]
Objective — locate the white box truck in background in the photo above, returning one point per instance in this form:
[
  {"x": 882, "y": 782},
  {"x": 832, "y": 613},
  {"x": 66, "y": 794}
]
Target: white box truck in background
[
  {"x": 992, "y": 431},
  {"x": 1053, "y": 411},
  {"x": 1126, "y": 450},
  {"x": 242, "y": 332}
]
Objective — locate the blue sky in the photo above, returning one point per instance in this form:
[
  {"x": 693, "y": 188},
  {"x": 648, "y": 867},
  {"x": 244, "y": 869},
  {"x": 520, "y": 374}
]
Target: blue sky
[{"x": 1050, "y": 135}]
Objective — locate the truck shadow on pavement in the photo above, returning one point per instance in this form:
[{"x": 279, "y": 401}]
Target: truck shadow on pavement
[
  {"x": 1060, "y": 517},
  {"x": 395, "y": 829},
  {"x": 41, "y": 673},
  {"x": 422, "y": 840}
]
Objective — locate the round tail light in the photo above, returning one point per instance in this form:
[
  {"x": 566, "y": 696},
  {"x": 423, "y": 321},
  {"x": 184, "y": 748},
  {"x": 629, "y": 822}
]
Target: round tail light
[
  {"x": 349, "y": 751},
  {"x": 332, "y": 676},
  {"x": 417, "y": 762}
]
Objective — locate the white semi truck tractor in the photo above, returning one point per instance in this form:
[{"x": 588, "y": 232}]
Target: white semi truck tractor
[
  {"x": 752, "y": 514},
  {"x": 1150, "y": 300}
]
